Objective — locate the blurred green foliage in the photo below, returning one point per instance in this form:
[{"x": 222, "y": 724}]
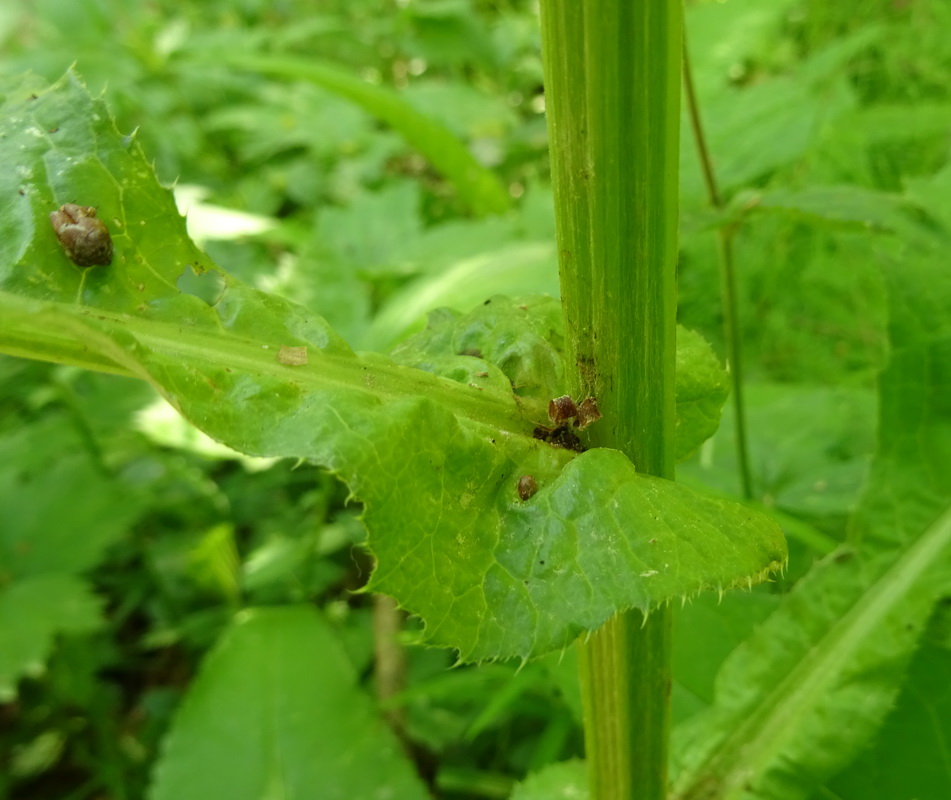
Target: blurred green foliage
[{"x": 795, "y": 94}]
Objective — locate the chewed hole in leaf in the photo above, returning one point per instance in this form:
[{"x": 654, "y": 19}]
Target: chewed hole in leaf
[{"x": 206, "y": 285}]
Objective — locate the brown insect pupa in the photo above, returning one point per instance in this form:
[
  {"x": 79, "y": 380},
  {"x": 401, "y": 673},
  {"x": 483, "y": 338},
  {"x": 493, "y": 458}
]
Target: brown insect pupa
[
  {"x": 561, "y": 409},
  {"x": 84, "y": 236},
  {"x": 527, "y": 486}
]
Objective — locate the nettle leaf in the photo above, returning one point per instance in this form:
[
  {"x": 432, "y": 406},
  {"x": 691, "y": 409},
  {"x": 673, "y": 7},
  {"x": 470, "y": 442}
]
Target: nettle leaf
[{"x": 436, "y": 462}]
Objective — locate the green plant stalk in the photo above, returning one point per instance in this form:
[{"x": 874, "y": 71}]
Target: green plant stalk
[
  {"x": 389, "y": 661},
  {"x": 612, "y": 77},
  {"x": 731, "y": 325}
]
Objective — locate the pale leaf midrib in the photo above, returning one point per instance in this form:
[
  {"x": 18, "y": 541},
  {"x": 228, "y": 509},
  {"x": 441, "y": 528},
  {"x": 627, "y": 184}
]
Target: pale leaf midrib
[{"x": 754, "y": 743}]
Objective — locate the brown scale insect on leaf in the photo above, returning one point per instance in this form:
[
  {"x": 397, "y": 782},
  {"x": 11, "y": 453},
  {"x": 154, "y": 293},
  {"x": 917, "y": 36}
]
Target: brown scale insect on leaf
[
  {"x": 565, "y": 414},
  {"x": 563, "y": 409},
  {"x": 84, "y": 236},
  {"x": 527, "y": 486}
]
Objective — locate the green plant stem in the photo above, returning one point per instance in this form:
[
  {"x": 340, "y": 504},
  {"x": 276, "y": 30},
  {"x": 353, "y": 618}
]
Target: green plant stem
[
  {"x": 612, "y": 77},
  {"x": 731, "y": 326},
  {"x": 625, "y": 705},
  {"x": 389, "y": 660}
]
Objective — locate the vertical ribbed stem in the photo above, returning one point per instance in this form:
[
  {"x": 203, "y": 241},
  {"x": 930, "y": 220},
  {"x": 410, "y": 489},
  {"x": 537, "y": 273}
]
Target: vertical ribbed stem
[{"x": 612, "y": 78}]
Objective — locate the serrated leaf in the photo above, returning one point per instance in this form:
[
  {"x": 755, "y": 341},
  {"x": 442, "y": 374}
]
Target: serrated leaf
[
  {"x": 504, "y": 345},
  {"x": 811, "y": 685},
  {"x": 276, "y": 713},
  {"x": 436, "y": 462}
]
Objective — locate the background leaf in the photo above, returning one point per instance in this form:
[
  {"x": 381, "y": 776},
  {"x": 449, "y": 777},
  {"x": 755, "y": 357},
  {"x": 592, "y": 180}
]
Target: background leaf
[
  {"x": 32, "y": 610},
  {"x": 818, "y": 679},
  {"x": 843, "y": 205},
  {"x": 481, "y": 190},
  {"x": 837, "y": 648},
  {"x": 45, "y": 545},
  {"x": 276, "y": 712},
  {"x": 907, "y": 757},
  {"x": 565, "y": 781}
]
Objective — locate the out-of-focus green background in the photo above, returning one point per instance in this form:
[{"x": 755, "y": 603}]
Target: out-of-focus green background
[{"x": 819, "y": 115}]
